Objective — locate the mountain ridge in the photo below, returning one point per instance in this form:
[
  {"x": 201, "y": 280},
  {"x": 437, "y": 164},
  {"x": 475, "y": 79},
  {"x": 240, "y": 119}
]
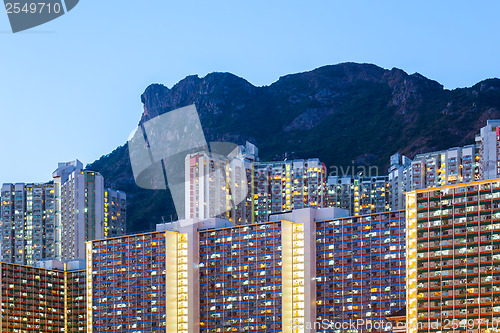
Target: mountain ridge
[{"x": 343, "y": 114}]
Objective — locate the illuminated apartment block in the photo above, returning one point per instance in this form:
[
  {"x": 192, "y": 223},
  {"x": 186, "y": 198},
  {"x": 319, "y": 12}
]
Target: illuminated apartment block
[
  {"x": 287, "y": 185},
  {"x": 207, "y": 276},
  {"x": 53, "y": 220},
  {"x": 462, "y": 164},
  {"x": 138, "y": 283},
  {"x": 82, "y": 210},
  {"x": 218, "y": 185},
  {"x": 76, "y": 302},
  {"x": 115, "y": 213},
  {"x": 341, "y": 193},
  {"x": 479, "y": 161},
  {"x": 359, "y": 195},
  {"x": 360, "y": 271},
  {"x": 488, "y": 157},
  {"x": 453, "y": 261},
  {"x": 37, "y": 299},
  {"x": 242, "y": 278},
  {"x": 452, "y": 166},
  {"x": 27, "y": 223},
  {"x": 249, "y": 192},
  {"x": 260, "y": 277},
  {"x": 399, "y": 180}
]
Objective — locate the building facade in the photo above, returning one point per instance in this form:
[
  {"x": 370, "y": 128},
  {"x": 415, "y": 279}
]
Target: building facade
[
  {"x": 298, "y": 272},
  {"x": 360, "y": 195},
  {"x": 238, "y": 188},
  {"x": 360, "y": 271},
  {"x": 488, "y": 157},
  {"x": 84, "y": 209},
  {"x": 447, "y": 167},
  {"x": 76, "y": 300},
  {"x": 27, "y": 223},
  {"x": 218, "y": 185},
  {"x": 243, "y": 278},
  {"x": 479, "y": 161},
  {"x": 37, "y": 299},
  {"x": 134, "y": 283},
  {"x": 286, "y": 185},
  {"x": 399, "y": 180},
  {"x": 81, "y": 211},
  {"x": 453, "y": 261},
  {"x": 54, "y": 220},
  {"x": 115, "y": 213}
]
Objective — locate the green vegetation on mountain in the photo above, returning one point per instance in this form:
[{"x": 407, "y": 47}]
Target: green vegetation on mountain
[{"x": 339, "y": 113}]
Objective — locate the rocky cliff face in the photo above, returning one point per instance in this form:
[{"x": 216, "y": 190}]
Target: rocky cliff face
[{"x": 339, "y": 113}]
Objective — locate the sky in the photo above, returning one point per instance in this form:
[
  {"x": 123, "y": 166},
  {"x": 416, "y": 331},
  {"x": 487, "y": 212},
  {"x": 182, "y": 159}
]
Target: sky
[{"x": 71, "y": 88}]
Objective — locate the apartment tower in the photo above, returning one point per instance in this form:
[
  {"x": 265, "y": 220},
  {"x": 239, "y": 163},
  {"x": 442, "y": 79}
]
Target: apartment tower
[
  {"x": 36, "y": 299},
  {"x": 453, "y": 260},
  {"x": 84, "y": 209},
  {"x": 360, "y": 271},
  {"x": 27, "y": 223}
]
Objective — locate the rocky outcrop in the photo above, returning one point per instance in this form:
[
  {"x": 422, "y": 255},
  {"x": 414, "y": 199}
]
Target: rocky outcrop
[{"x": 339, "y": 113}]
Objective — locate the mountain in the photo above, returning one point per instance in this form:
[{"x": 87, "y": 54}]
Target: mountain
[{"x": 343, "y": 114}]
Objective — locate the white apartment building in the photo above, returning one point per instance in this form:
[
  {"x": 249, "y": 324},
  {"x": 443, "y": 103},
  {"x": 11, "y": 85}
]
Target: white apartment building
[
  {"x": 446, "y": 167},
  {"x": 488, "y": 142},
  {"x": 84, "y": 209},
  {"x": 218, "y": 185},
  {"x": 398, "y": 178},
  {"x": 27, "y": 223}
]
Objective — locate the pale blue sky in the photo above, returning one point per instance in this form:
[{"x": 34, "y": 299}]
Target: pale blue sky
[{"x": 71, "y": 88}]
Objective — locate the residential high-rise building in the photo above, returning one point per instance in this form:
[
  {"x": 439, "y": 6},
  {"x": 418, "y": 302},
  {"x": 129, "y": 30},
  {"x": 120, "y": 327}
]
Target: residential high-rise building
[
  {"x": 76, "y": 301},
  {"x": 218, "y": 186},
  {"x": 303, "y": 271},
  {"x": 360, "y": 271},
  {"x": 287, "y": 185},
  {"x": 133, "y": 283},
  {"x": 488, "y": 157},
  {"x": 115, "y": 213},
  {"x": 54, "y": 220},
  {"x": 479, "y": 161},
  {"x": 452, "y": 166},
  {"x": 247, "y": 191},
  {"x": 35, "y": 299},
  {"x": 146, "y": 282},
  {"x": 399, "y": 180},
  {"x": 447, "y": 167},
  {"x": 460, "y": 164},
  {"x": 341, "y": 192},
  {"x": 453, "y": 258},
  {"x": 83, "y": 212},
  {"x": 241, "y": 290},
  {"x": 27, "y": 223},
  {"x": 360, "y": 195},
  {"x": 246, "y": 276}
]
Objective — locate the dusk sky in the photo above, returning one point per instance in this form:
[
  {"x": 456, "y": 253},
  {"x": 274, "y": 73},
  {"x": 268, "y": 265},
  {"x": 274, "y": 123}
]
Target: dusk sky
[{"x": 71, "y": 88}]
